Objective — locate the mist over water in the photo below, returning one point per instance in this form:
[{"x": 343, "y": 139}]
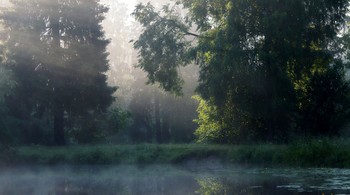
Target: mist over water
[
  {"x": 53, "y": 97},
  {"x": 167, "y": 179}
]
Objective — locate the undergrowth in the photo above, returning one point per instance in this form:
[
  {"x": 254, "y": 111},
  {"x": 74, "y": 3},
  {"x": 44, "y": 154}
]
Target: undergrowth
[{"x": 311, "y": 153}]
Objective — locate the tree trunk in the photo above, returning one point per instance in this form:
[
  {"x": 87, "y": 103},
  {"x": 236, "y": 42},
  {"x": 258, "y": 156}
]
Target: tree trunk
[
  {"x": 59, "y": 126},
  {"x": 166, "y": 129},
  {"x": 157, "y": 118},
  {"x": 58, "y": 108}
]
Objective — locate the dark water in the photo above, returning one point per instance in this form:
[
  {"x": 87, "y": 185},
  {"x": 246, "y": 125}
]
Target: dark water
[{"x": 166, "y": 179}]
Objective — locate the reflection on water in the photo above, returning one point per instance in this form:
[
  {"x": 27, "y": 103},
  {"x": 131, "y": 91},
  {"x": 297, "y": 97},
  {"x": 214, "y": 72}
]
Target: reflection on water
[{"x": 166, "y": 179}]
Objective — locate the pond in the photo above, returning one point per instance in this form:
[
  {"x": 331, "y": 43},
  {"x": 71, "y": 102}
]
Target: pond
[{"x": 167, "y": 179}]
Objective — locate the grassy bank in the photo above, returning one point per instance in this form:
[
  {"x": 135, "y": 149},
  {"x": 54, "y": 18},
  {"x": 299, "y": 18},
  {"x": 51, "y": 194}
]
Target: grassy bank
[{"x": 315, "y": 153}]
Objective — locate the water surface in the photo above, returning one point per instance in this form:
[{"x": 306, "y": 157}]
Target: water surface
[{"x": 166, "y": 179}]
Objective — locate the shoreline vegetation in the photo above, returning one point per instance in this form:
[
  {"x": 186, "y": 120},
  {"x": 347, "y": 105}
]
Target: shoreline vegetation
[{"x": 314, "y": 153}]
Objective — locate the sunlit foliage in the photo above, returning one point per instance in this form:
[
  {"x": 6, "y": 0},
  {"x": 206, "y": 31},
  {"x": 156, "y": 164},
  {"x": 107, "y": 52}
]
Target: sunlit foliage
[
  {"x": 210, "y": 186},
  {"x": 262, "y": 63},
  {"x": 209, "y": 126}
]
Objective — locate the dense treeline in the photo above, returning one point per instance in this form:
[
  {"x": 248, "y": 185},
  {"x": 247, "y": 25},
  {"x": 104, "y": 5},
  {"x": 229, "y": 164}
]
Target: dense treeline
[
  {"x": 54, "y": 78},
  {"x": 269, "y": 70},
  {"x": 264, "y": 71},
  {"x": 154, "y": 116},
  {"x": 56, "y": 53}
]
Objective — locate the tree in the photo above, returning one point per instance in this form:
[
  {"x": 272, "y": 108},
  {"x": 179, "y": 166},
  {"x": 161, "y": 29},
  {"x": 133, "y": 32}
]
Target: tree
[
  {"x": 259, "y": 61},
  {"x": 161, "y": 117},
  {"x": 209, "y": 127},
  {"x": 58, "y": 56},
  {"x": 151, "y": 109},
  {"x": 7, "y": 85}
]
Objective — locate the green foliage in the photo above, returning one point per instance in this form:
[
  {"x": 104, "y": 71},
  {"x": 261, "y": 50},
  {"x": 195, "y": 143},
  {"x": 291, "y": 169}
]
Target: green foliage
[
  {"x": 264, "y": 65},
  {"x": 319, "y": 152},
  {"x": 209, "y": 186},
  {"x": 57, "y": 53},
  {"x": 97, "y": 127},
  {"x": 209, "y": 129},
  {"x": 153, "y": 110},
  {"x": 162, "y": 45},
  {"x": 324, "y": 101},
  {"x": 86, "y": 129},
  {"x": 117, "y": 119},
  {"x": 305, "y": 153},
  {"x": 92, "y": 157}
]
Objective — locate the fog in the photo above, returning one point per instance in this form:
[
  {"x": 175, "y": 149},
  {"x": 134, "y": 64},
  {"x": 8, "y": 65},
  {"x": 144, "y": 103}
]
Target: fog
[
  {"x": 30, "y": 37},
  {"x": 217, "y": 98},
  {"x": 5, "y": 3},
  {"x": 166, "y": 179},
  {"x": 74, "y": 66},
  {"x": 134, "y": 94}
]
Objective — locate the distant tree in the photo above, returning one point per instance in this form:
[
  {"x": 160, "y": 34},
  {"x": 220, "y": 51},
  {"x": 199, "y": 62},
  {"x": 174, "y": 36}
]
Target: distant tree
[
  {"x": 262, "y": 63},
  {"x": 152, "y": 111},
  {"x": 161, "y": 117},
  {"x": 120, "y": 29},
  {"x": 7, "y": 85},
  {"x": 59, "y": 59}
]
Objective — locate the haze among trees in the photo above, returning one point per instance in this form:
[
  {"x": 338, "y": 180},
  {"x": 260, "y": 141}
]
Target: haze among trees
[
  {"x": 56, "y": 51},
  {"x": 269, "y": 70},
  {"x": 212, "y": 71}
]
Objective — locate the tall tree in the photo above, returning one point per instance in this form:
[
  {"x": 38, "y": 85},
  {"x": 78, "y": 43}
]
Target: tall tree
[
  {"x": 59, "y": 58},
  {"x": 259, "y": 61}
]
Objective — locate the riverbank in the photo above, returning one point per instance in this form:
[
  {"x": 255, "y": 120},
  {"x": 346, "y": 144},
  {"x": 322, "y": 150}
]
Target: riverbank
[{"x": 315, "y": 153}]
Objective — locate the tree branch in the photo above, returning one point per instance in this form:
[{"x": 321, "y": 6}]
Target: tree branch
[{"x": 184, "y": 30}]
